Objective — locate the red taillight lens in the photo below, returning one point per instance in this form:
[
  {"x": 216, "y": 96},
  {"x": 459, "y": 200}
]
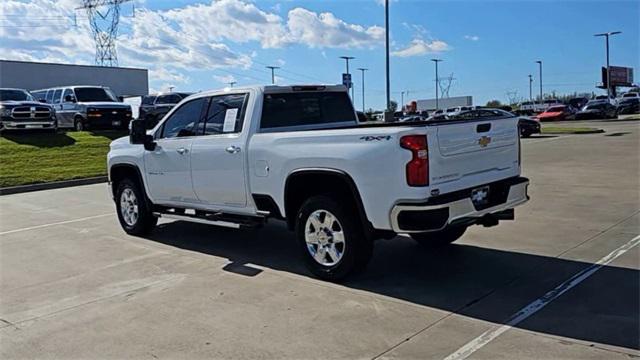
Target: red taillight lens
[{"x": 418, "y": 167}]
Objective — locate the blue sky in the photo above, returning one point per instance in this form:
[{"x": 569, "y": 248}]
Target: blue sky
[{"x": 490, "y": 47}]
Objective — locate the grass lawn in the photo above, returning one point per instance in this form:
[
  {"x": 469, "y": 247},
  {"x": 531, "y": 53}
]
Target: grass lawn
[
  {"x": 569, "y": 130},
  {"x": 28, "y": 158}
]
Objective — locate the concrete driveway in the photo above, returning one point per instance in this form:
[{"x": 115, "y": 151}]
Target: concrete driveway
[{"x": 74, "y": 285}]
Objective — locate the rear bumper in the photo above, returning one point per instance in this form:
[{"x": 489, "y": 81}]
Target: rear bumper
[{"x": 457, "y": 207}]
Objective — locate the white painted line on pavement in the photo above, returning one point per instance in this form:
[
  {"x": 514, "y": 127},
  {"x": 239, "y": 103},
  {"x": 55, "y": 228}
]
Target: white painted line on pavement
[
  {"x": 482, "y": 340},
  {"x": 53, "y": 224}
]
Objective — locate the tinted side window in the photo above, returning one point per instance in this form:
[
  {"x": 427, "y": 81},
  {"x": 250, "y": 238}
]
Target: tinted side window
[
  {"x": 168, "y": 99},
  {"x": 49, "y": 97},
  {"x": 312, "y": 108},
  {"x": 225, "y": 114},
  {"x": 184, "y": 120},
  {"x": 67, "y": 92},
  {"x": 57, "y": 95},
  {"x": 39, "y": 95},
  {"x": 148, "y": 100}
]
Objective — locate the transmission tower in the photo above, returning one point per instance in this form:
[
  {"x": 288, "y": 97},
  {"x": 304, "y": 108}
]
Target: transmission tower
[
  {"x": 104, "y": 16},
  {"x": 445, "y": 84}
]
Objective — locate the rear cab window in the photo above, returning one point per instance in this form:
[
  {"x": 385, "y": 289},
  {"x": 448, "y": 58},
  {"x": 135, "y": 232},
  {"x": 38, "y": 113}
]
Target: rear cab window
[{"x": 306, "y": 111}]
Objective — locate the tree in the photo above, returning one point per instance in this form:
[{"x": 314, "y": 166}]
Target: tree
[
  {"x": 393, "y": 105},
  {"x": 494, "y": 103}
]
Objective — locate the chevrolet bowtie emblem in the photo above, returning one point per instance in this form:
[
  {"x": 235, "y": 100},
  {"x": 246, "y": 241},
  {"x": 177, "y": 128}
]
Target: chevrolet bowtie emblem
[{"x": 484, "y": 141}]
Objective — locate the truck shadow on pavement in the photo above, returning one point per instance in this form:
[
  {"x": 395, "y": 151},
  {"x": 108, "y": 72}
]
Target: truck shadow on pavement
[{"x": 476, "y": 282}]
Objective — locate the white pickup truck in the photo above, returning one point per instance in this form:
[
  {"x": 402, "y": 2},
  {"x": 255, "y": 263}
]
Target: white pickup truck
[{"x": 242, "y": 156}]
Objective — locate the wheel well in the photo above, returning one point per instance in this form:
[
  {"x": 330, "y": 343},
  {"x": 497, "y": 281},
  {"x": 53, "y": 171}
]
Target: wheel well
[
  {"x": 120, "y": 172},
  {"x": 302, "y": 185}
]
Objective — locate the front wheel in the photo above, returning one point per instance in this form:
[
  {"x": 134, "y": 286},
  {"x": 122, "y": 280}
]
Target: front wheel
[
  {"x": 439, "y": 238},
  {"x": 331, "y": 239},
  {"x": 79, "y": 125},
  {"x": 134, "y": 214}
]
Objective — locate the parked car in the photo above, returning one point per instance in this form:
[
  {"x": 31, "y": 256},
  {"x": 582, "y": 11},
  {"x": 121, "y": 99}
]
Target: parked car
[
  {"x": 87, "y": 107},
  {"x": 632, "y": 95},
  {"x": 528, "y": 126},
  {"x": 557, "y": 113},
  {"x": 241, "y": 157},
  {"x": 611, "y": 100},
  {"x": 362, "y": 117},
  {"x": 578, "y": 103},
  {"x": 629, "y": 105},
  {"x": 412, "y": 118},
  {"x": 19, "y": 110},
  {"x": 154, "y": 107},
  {"x": 598, "y": 109}
]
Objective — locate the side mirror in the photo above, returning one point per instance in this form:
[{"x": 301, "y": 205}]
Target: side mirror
[
  {"x": 69, "y": 98},
  {"x": 138, "y": 135}
]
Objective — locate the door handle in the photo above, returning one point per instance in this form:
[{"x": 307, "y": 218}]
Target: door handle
[
  {"x": 182, "y": 151},
  {"x": 232, "y": 149}
]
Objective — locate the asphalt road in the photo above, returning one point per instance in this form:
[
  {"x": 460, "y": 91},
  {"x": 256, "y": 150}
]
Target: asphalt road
[{"x": 562, "y": 281}]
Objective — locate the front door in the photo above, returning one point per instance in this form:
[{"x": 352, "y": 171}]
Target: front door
[
  {"x": 168, "y": 167},
  {"x": 218, "y": 157},
  {"x": 67, "y": 109}
]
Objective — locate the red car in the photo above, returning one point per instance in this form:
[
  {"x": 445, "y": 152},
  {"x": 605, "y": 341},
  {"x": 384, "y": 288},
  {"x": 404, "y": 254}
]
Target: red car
[{"x": 556, "y": 113}]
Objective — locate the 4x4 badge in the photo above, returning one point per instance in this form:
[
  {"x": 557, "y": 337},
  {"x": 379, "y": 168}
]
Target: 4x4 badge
[{"x": 484, "y": 141}]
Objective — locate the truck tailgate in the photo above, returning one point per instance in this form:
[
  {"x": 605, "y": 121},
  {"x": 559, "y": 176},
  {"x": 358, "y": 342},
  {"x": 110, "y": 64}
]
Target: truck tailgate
[{"x": 473, "y": 153}]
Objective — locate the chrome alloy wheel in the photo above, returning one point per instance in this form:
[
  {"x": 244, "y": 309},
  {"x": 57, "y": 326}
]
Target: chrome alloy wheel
[
  {"x": 325, "y": 238},
  {"x": 129, "y": 207}
]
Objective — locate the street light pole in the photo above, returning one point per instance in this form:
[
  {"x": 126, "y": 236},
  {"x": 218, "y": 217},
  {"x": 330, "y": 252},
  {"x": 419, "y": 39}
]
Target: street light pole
[
  {"x": 541, "y": 98},
  {"x": 401, "y": 100},
  {"x": 273, "y": 77},
  {"x": 436, "y": 61},
  {"x": 347, "y": 58},
  {"x": 231, "y": 83},
  {"x": 363, "y": 70},
  {"x": 606, "y": 35},
  {"x": 530, "y": 93},
  {"x": 386, "y": 34}
]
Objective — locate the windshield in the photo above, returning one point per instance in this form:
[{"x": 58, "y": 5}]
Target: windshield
[
  {"x": 94, "y": 94},
  {"x": 594, "y": 106},
  {"x": 15, "y": 95},
  {"x": 629, "y": 95}
]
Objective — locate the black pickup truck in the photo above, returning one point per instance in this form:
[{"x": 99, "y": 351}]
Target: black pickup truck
[{"x": 20, "y": 111}]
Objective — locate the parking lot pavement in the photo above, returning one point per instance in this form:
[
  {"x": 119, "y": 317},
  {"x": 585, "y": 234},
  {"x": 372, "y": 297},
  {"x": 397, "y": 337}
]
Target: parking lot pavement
[{"x": 75, "y": 286}]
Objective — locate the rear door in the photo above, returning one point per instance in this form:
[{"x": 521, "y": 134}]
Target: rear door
[
  {"x": 168, "y": 167},
  {"x": 218, "y": 157},
  {"x": 474, "y": 151}
]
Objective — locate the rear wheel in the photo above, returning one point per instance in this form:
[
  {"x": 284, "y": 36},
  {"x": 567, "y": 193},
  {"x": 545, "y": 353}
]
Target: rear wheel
[
  {"x": 134, "y": 214},
  {"x": 439, "y": 238},
  {"x": 78, "y": 124},
  {"x": 331, "y": 239}
]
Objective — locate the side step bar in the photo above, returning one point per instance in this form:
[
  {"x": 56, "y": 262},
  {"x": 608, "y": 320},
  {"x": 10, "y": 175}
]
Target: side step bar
[
  {"x": 198, "y": 220},
  {"x": 217, "y": 219}
]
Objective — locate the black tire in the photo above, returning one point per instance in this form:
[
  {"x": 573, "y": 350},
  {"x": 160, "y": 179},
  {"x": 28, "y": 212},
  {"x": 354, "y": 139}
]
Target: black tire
[
  {"x": 78, "y": 124},
  {"x": 356, "y": 248},
  {"x": 525, "y": 134},
  {"x": 439, "y": 238},
  {"x": 145, "y": 221}
]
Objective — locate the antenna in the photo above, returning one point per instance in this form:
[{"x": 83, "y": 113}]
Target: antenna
[{"x": 104, "y": 16}]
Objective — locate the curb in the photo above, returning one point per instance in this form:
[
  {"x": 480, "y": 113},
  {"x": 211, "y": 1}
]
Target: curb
[{"x": 52, "y": 185}]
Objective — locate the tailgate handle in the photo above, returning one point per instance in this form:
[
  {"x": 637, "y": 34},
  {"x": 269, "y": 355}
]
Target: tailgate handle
[{"x": 483, "y": 127}]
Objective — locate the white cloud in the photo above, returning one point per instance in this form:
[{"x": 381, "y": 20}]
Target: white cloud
[
  {"x": 326, "y": 30},
  {"x": 224, "y": 79},
  {"x": 419, "y": 47},
  {"x": 472, "y": 37}
]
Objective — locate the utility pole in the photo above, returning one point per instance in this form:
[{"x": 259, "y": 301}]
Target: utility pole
[
  {"x": 231, "y": 83},
  {"x": 347, "y": 58},
  {"x": 273, "y": 76},
  {"x": 606, "y": 35},
  {"x": 541, "y": 98},
  {"x": 363, "y": 70},
  {"x": 401, "y": 100},
  {"x": 436, "y": 61},
  {"x": 386, "y": 35},
  {"x": 530, "y": 93}
]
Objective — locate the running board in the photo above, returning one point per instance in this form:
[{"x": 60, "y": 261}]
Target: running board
[{"x": 198, "y": 220}]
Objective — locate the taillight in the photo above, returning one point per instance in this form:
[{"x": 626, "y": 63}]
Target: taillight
[{"x": 418, "y": 167}]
